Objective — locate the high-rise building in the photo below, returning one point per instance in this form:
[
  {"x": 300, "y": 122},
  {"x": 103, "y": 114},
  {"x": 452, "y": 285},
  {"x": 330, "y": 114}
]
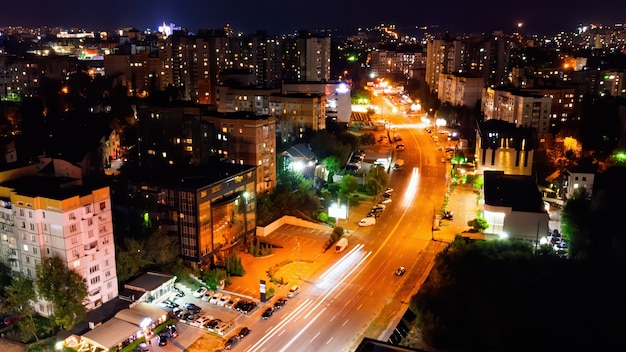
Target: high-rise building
[
  {"x": 44, "y": 216},
  {"x": 306, "y": 57}
]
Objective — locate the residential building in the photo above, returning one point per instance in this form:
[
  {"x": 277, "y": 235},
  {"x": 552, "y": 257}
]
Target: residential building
[
  {"x": 521, "y": 107},
  {"x": 442, "y": 56},
  {"x": 44, "y": 216},
  {"x": 247, "y": 139},
  {"x": 244, "y": 98},
  {"x": 460, "y": 90},
  {"x": 575, "y": 178},
  {"x": 502, "y": 146},
  {"x": 513, "y": 207},
  {"x": 336, "y": 94},
  {"x": 306, "y": 58},
  {"x": 298, "y": 114}
]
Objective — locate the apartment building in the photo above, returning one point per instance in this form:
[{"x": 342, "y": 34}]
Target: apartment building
[
  {"x": 247, "y": 139},
  {"x": 460, "y": 90},
  {"x": 297, "y": 114},
  {"x": 42, "y": 216},
  {"x": 336, "y": 93},
  {"x": 520, "y": 107}
]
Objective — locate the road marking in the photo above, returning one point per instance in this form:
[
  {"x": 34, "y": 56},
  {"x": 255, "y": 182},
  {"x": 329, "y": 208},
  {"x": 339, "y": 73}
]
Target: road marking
[{"x": 314, "y": 337}]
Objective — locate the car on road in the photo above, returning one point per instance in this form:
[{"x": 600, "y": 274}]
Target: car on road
[
  {"x": 379, "y": 206},
  {"x": 231, "y": 342},
  {"x": 400, "y": 271},
  {"x": 223, "y": 300},
  {"x": 388, "y": 190},
  {"x": 400, "y": 147},
  {"x": 200, "y": 292},
  {"x": 386, "y": 195},
  {"x": 386, "y": 201},
  {"x": 280, "y": 303},
  {"x": 267, "y": 313},
  {"x": 243, "y": 332}
]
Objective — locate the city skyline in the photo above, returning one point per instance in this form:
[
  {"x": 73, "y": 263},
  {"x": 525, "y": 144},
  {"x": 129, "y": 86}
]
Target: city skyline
[{"x": 280, "y": 16}]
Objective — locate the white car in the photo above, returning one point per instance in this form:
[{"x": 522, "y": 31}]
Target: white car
[
  {"x": 207, "y": 296},
  {"x": 223, "y": 300},
  {"x": 386, "y": 201},
  {"x": 200, "y": 292},
  {"x": 231, "y": 302},
  {"x": 216, "y": 297}
]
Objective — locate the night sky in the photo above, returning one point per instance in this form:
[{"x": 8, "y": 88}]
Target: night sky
[{"x": 286, "y": 16}]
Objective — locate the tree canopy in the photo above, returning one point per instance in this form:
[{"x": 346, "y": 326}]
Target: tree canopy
[
  {"x": 501, "y": 295},
  {"x": 65, "y": 288}
]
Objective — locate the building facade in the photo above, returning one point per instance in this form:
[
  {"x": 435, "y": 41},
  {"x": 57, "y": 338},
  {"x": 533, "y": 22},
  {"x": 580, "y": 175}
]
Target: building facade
[{"x": 43, "y": 216}]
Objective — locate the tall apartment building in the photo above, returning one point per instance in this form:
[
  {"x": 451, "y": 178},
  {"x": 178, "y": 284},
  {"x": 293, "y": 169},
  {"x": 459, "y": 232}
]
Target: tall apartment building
[
  {"x": 173, "y": 134},
  {"x": 485, "y": 56},
  {"x": 460, "y": 90},
  {"x": 247, "y": 99},
  {"x": 43, "y": 216},
  {"x": 297, "y": 114},
  {"x": 520, "y": 107},
  {"x": 18, "y": 78},
  {"x": 336, "y": 94},
  {"x": 442, "y": 56},
  {"x": 565, "y": 107},
  {"x": 247, "y": 139},
  {"x": 306, "y": 57},
  {"x": 194, "y": 135},
  {"x": 397, "y": 65}
]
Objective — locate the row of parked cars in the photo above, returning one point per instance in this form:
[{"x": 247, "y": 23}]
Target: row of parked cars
[{"x": 377, "y": 210}]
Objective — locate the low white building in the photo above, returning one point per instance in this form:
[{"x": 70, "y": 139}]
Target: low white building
[{"x": 513, "y": 207}]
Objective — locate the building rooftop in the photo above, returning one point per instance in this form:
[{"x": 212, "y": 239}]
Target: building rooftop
[
  {"x": 188, "y": 177},
  {"x": 51, "y": 187},
  {"x": 516, "y": 191},
  {"x": 148, "y": 281}
]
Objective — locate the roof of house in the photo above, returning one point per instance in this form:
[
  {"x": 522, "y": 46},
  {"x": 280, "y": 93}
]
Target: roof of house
[
  {"x": 299, "y": 151},
  {"x": 110, "y": 334},
  {"x": 518, "y": 192},
  {"x": 149, "y": 281}
]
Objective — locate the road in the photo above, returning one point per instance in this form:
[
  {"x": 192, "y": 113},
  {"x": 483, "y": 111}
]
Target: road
[{"x": 358, "y": 294}]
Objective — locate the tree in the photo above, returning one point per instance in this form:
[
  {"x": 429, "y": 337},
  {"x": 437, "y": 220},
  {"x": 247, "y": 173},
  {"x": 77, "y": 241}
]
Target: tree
[
  {"x": 478, "y": 224},
  {"x": 348, "y": 185},
  {"x": 332, "y": 164},
  {"x": 18, "y": 299},
  {"x": 64, "y": 288},
  {"x": 575, "y": 224},
  {"x": 130, "y": 259}
]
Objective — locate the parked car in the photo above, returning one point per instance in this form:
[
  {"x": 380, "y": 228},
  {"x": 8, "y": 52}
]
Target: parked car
[
  {"x": 179, "y": 292},
  {"x": 171, "y": 331},
  {"x": 367, "y": 221},
  {"x": 232, "y": 302},
  {"x": 212, "y": 324},
  {"x": 280, "y": 302},
  {"x": 400, "y": 147},
  {"x": 162, "y": 339},
  {"x": 192, "y": 307},
  {"x": 200, "y": 292},
  {"x": 216, "y": 297},
  {"x": 243, "y": 332},
  {"x": 231, "y": 342},
  {"x": 207, "y": 296},
  {"x": 267, "y": 313},
  {"x": 142, "y": 347},
  {"x": 223, "y": 300}
]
